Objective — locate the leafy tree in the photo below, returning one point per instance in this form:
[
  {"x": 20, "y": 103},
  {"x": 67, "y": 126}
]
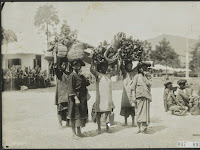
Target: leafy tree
[
  {"x": 195, "y": 62},
  {"x": 164, "y": 54},
  {"x": 8, "y": 36},
  {"x": 147, "y": 50},
  {"x": 45, "y": 17}
]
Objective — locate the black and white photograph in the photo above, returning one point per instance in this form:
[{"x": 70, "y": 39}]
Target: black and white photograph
[{"x": 100, "y": 74}]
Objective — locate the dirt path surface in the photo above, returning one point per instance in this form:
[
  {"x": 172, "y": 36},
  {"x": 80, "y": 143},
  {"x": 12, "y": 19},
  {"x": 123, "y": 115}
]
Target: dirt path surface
[{"x": 30, "y": 121}]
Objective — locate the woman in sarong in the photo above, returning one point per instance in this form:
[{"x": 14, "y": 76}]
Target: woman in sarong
[
  {"x": 104, "y": 104},
  {"x": 126, "y": 109},
  {"x": 62, "y": 90},
  {"x": 78, "y": 108},
  {"x": 141, "y": 88}
]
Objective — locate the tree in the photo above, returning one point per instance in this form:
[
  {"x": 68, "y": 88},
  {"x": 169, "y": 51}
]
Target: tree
[
  {"x": 164, "y": 54},
  {"x": 46, "y": 16},
  {"x": 8, "y": 36},
  {"x": 67, "y": 35},
  {"x": 147, "y": 50},
  {"x": 195, "y": 62}
]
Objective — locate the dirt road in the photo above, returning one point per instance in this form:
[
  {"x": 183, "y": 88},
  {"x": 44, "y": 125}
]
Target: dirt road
[{"x": 30, "y": 121}]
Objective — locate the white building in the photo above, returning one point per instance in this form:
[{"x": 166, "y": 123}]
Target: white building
[{"x": 17, "y": 55}]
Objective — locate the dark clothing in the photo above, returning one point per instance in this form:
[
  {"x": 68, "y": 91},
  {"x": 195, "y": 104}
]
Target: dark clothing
[
  {"x": 78, "y": 84},
  {"x": 182, "y": 99},
  {"x": 127, "y": 111},
  {"x": 171, "y": 99},
  {"x": 165, "y": 96},
  {"x": 62, "y": 93}
]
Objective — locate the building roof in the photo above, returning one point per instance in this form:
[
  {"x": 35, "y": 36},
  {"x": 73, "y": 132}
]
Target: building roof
[{"x": 17, "y": 48}]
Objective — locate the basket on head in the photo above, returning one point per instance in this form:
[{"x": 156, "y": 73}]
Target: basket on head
[
  {"x": 48, "y": 55},
  {"x": 62, "y": 50},
  {"x": 76, "y": 51}
]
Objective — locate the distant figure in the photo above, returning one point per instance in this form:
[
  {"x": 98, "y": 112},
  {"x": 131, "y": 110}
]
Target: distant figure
[
  {"x": 167, "y": 85},
  {"x": 128, "y": 74},
  {"x": 182, "y": 100},
  {"x": 171, "y": 98}
]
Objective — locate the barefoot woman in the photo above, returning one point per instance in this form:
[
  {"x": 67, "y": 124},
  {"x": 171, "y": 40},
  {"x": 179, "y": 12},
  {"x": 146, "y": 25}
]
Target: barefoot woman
[
  {"x": 143, "y": 97},
  {"x": 62, "y": 88},
  {"x": 128, "y": 74},
  {"x": 78, "y": 108},
  {"x": 104, "y": 104}
]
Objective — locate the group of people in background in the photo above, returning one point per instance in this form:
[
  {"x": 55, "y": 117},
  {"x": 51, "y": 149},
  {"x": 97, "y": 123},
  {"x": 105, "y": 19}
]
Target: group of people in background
[
  {"x": 181, "y": 98},
  {"x": 72, "y": 95},
  {"x": 16, "y": 77}
]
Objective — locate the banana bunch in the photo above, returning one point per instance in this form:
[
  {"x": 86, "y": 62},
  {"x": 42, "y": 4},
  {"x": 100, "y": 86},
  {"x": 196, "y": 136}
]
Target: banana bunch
[
  {"x": 110, "y": 55},
  {"x": 130, "y": 49},
  {"x": 98, "y": 54}
]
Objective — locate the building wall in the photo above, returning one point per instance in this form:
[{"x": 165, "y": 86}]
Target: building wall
[
  {"x": 44, "y": 63},
  {"x": 26, "y": 60}
]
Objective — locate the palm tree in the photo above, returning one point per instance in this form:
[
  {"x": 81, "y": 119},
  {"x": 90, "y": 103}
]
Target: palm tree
[{"x": 8, "y": 36}]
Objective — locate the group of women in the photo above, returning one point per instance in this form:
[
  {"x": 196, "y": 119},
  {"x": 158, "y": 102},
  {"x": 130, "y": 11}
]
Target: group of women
[
  {"x": 180, "y": 98},
  {"x": 72, "y": 94}
]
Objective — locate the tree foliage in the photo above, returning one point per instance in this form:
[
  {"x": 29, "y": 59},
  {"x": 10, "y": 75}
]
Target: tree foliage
[
  {"x": 147, "y": 50},
  {"x": 195, "y": 62},
  {"x": 46, "y": 16},
  {"x": 66, "y": 32},
  {"x": 164, "y": 54},
  {"x": 8, "y": 36}
]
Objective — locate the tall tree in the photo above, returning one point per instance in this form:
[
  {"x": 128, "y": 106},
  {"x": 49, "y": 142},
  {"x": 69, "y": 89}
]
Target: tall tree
[
  {"x": 67, "y": 33},
  {"x": 8, "y": 36},
  {"x": 45, "y": 17},
  {"x": 164, "y": 54},
  {"x": 195, "y": 62},
  {"x": 147, "y": 50}
]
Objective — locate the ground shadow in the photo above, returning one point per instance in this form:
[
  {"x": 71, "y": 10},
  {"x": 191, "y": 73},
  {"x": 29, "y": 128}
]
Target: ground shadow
[
  {"x": 113, "y": 129},
  {"x": 154, "y": 129},
  {"x": 156, "y": 120}
]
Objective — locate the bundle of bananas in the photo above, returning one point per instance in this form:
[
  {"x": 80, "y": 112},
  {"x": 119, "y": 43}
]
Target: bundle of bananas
[
  {"x": 104, "y": 54},
  {"x": 98, "y": 54},
  {"x": 130, "y": 49}
]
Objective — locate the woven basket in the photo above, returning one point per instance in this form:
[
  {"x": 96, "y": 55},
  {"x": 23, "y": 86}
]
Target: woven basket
[
  {"x": 62, "y": 50},
  {"x": 48, "y": 56},
  {"x": 76, "y": 51}
]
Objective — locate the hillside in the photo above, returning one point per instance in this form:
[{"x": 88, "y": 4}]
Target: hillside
[{"x": 177, "y": 42}]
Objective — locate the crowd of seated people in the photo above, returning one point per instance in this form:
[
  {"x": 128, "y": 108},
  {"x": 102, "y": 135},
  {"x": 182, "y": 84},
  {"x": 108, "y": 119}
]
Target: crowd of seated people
[
  {"x": 16, "y": 77},
  {"x": 181, "y": 98}
]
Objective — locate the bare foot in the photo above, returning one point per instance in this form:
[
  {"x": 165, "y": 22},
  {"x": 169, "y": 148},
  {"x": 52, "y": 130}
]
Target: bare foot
[
  {"x": 125, "y": 124},
  {"x": 134, "y": 125},
  {"x": 81, "y": 135},
  {"x": 99, "y": 131},
  {"x": 75, "y": 137},
  {"x": 107, "y": 128},
  {"x": 138, "y": 131}
]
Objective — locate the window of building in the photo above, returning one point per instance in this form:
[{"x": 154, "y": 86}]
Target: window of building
[{"x": 14, "y": 62}]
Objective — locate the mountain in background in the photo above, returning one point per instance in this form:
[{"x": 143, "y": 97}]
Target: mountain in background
[{"x": 176, "y": 42}]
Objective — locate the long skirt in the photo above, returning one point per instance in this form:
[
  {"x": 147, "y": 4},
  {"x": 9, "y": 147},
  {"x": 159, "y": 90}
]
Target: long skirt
[
  {"x": 79, "y": 112},
  {"x": 126, "y": 108},
  {"x": 143, "y": 111},
  {"x": 62, "y": 110}
]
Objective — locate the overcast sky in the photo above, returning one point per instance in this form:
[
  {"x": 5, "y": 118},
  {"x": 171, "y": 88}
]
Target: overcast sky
[{"x": 98, "y": 21}]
